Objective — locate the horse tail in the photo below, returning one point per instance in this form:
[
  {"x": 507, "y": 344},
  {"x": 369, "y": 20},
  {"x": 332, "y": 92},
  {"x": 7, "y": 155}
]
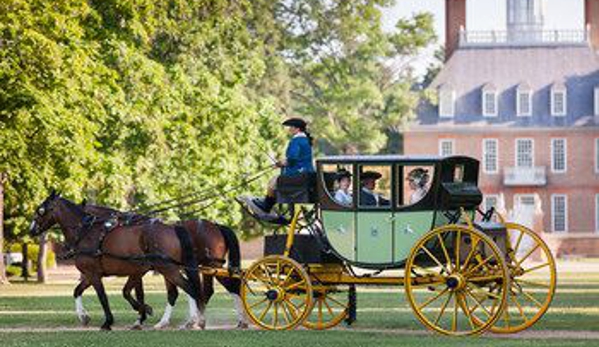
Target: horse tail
[
  {"x": 189, "y": 261},
  {"x": 232, "y": 243}
]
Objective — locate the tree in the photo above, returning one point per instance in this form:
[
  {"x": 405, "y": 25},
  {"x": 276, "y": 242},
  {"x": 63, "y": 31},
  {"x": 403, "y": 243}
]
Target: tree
[
  {"x": 3, "y": 278},
  {"x": 352, "y": 79}
]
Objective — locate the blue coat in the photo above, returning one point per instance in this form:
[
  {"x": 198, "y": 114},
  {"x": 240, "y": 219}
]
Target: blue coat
[{"x": 299, "y": 157}]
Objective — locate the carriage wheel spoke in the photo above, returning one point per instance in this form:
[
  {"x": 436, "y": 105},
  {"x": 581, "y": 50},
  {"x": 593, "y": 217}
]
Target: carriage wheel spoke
[
  {"x": 532, "y": 283},
  {"x": 531, "y": 251},
  {"x": 532, "y": 298},
  {"x": 483, "y": 263},
  {"x": 263, "y": 314},
  {"x": 429, "y": 301},
  {"x": 485, "y": 278},
  {"x": 329, "y": 309},
  {"x": 434, "y": 258},
  {"x": 457, "y": 251},
  {"x": 320, "y": 310},
  {"x": 295, "y": 285},
  {"x": 454, "y": 321},
  {"x": 287, "y": 277},
  {"x": 515, "y": 300},
  {"x": 275, "y": 316},
  {"x": 258, "y": 303},
  {"x": 485, "y": 310},
  {"x": 445, "y": 253},
  {"x": 443, "y": 307},
  {"x": 286, "y": 313},
  {"x": 518, "y": 241},
  {"x": 470, "y": 253},
  {"x": 535, "y": 268},
  {"x": 484, "y": 292},
  {"x": 464, "y": 305}
]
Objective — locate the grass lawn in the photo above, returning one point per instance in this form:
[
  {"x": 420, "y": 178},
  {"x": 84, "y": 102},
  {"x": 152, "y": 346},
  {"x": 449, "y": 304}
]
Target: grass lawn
[{"x": 383, "y": 314}]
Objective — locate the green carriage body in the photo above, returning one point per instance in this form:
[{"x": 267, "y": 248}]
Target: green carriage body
[{"x": 383, "y": 237}]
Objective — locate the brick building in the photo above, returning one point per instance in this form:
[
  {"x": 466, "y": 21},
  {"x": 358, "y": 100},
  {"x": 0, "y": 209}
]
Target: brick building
[{"x": 525, "y": 101}]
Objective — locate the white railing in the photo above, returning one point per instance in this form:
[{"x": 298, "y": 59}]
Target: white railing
[
  {"x": 523, "y": 38},
  {"x": 524, "y": 176}
]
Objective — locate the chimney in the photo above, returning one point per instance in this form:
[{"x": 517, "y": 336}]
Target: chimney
[
  {"x": 591, "y": 20},
  {"x": 455, "y": 18}
]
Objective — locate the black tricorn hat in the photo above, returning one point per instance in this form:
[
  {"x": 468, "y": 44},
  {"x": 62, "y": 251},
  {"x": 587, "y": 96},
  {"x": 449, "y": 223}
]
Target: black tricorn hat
[
  {"x": 342, "y": 174},
  {"x": 370, "y": 174},
  {"x": 295, "y": 122}
]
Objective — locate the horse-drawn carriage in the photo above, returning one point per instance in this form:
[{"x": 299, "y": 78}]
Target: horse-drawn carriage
[{"x": 465, "y": 270}]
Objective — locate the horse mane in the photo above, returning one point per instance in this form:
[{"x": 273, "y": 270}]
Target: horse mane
[{"x": 72, "y": 206}]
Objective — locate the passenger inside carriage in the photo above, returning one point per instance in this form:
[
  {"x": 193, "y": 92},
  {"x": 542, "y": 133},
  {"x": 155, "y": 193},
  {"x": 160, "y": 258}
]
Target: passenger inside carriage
[
  {"x": 368, "y": 196},
  {"x": 418, "y": 181},
  {"x": 343, "y": 194}
]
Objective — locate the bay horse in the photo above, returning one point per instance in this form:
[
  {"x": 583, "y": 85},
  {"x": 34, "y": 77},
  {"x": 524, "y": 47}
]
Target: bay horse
[
  {"x": 219, "y": 242},
  {"x": 103, "y": 249}
]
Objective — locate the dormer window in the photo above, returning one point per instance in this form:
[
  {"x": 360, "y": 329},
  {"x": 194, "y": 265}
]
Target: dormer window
[
  {"x": 446, "y": 102},
  {"x": 596, "y": 101},
  {"x": 558, "y": 100},
  {"x": 524, "y": 101},
  {"x": 489, "y": 101}
]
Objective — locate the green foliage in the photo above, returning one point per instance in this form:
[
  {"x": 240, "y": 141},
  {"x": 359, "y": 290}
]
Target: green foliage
[
  {"x": 132, "y": 102},
  {"x": 349, "y": 76},
  {"x": 33, "y": 251}
]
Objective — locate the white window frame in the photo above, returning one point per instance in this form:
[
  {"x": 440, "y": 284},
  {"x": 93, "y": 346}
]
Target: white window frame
[
  {"x": 553, "y": 163},
  {"x": 443, "y": 141},
  {"x": 489, "y": 196},
  {"x": 494, "y": 112},
  {"x": 553, "y": 198},
  {"x": 596, "y": 101},
  {"x": 532, "y": 150},
  {"x": 597, "y": 155},
  {"x": 485, "y": 156},
  {"x": 446, "y": 111},
  {"x": 519, "y": 111},
  {"x": 564, "y": 111},
  {"x": 597, "y": 213}
]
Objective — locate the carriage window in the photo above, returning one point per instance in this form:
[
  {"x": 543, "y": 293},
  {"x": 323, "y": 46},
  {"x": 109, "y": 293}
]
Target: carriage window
[
  {"x": 375, "y": 186},
  {"x": 415, "y": 183},
  {"x": 338, "y": 182}
]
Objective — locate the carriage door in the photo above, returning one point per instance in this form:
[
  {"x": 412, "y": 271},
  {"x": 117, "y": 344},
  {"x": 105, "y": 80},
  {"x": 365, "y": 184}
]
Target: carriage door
[
  {"x": 374, "y": 241},
  {"x": 415, "y": 211}
]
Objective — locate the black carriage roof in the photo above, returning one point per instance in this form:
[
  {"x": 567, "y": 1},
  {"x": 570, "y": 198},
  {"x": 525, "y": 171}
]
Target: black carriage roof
[{"x": 387, "y": 158}]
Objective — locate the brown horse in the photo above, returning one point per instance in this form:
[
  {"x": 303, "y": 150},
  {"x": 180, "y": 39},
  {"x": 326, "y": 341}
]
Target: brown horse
[
  {"x": 218, "y": 242},
  {"x": 105, "y": 249}
]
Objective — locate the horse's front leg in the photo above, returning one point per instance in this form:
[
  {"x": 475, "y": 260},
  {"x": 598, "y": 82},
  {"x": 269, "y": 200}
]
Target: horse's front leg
[
  {"x": 173, "y": 293},
  {"x": 96, "y": 282},
  {"x": 78, "y": 295}
]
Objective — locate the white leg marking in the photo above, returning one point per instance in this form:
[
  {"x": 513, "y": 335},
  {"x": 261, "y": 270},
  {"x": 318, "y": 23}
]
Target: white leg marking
[
  {"x": 193, "y": 317},
  {"x": 166, "y": 318},
  {"x": 81, "y": 312},
  {"x": 241, "y": 318}
]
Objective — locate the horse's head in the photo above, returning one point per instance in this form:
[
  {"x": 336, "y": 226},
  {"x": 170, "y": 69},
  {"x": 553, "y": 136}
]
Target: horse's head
[{"x": 45, "y": 216}]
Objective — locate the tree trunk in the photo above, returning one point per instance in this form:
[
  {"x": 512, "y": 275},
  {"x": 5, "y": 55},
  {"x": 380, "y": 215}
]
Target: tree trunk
[
  {"x": 41, "y": 259},
  {"x": 3, "y": 278}
]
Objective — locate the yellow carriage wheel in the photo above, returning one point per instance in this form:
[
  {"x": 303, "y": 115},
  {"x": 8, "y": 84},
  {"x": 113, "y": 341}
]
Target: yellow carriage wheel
[
  {"x": 330, "y": 307},
  {"x": 276, "y": 293},
  {"x": 533, "y": 280},
  {"x": 457, "y": 281}
]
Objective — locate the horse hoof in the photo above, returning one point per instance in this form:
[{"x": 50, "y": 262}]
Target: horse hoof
[
  {"x": 160, "y": 326},
  {"x": 106, "y": 328},
  {"x": 149, "y": 310},
  {"x": 242, "y": 325},
  {"x": 85, "y": 320}
]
